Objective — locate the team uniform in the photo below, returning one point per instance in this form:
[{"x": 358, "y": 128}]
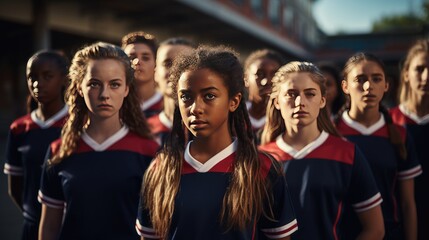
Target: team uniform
[
  {"x": 385, "y": 164},
  {"x": 160, "y": 126},
  {"x": 418, "y": 128},
  {"x": 324, "y": 178},
  {"x": 257, "y": 124},
  {"x": 198, "y": 202},
  {"x": 98, "y": 186},
  {"x": 153, "y": 105},
  {"x": 28, "y": 140}
]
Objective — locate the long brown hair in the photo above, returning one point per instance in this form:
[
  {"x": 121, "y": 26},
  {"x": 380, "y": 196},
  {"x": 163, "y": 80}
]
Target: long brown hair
[
  {"x": 275, "y": 124},
  {"x": 245, "y": 197},
  {"x": 394, "y": 135},
  {"x": 130, "y": 113},
  {"x": 421, "y": 46}
]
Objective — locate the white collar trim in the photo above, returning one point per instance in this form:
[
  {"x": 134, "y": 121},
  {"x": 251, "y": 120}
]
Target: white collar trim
[
  {"x": 304, "y": 151},
  {"x": 205, "y": 167},
  {"x": 49, "y": 122},
  {"x": 164, "y": 120},
  {"x": 151, "y": 101},
  {"x": 419, "y": 120},
  {"x": 257, "y": 123},
  {"x": 108, "y": 142},
  {"x": 361, "y": 128}
]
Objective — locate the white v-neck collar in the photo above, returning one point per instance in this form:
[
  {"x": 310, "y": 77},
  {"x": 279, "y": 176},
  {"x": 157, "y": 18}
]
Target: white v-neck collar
[
  {"x": 304, "y": 151},
  {"x": 49, "y": 122},
  {"x": 361, "y": 128},
  {"x": 256, "y": 123},
  {"x": 419, "y": 120},
  {"x": 151, "y": 101},
  {"x": 108, "y": 142},
  {"x": 164, "y": 120},
  {"x": 205, "y": 167}
]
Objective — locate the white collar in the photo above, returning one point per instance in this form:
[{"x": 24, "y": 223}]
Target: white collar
[
  {"x": 304, "y": 151},
  {"x": 164, "y": 120},
  {"x": 98, "y": 147},
  {"x": 419, "y": 120},
  {"x": 256, "y": 123},
  {"x": 205, "y": 167},
  {"x": 49, "y": 122},
  {"x": 151, "y": 101},
  {"x": 361, "y": 128}
]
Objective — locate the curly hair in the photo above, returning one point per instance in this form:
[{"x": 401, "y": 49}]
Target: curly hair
[
  {"x": 130, "y": 112},
  {"x": 140, "y": 37}
]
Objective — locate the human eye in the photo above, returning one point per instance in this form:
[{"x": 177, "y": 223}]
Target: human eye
[
  {"x": 93, "y": 84},
  {"x": 420, "y": 69},
  {"x": 378, "y": 79},
  {"x": 359, "y": 79},
  {"x": 210, "y": 96},
  {"x": 168, "y": 63},
  {"x": 184, "y": 97},
  {"x": 290, "y": 94},
  {"x": 260, "y": 74},
  {"x": 115, "y": 84}
]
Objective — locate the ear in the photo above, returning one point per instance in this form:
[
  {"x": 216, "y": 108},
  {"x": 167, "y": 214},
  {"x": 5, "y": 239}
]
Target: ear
[
  {"x": 386, "y": 88},
  {"x": 345, "y": 86},
  {"x": 127, "y": 90},
  {"x": 246, "y": 80},
  {"x": 79, "y": 90},
  {"x": 276, "y": 103},
  {"x": 234, "y": 102},
  {"x": 322, "y": 102}
]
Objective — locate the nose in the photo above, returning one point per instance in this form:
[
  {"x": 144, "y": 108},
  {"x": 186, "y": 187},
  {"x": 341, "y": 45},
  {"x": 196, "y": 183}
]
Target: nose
[
  {"x": 425, "y": 74},
  {"x": 298, "y": 101},
  {"x": 197, "y": 107},
  {"x": 104, "y": 93},
  {"x": 367, "y": 85}
]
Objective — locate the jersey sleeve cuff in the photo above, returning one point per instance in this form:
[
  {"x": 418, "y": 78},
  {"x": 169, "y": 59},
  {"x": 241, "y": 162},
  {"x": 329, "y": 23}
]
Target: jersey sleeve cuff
[
  {"x": 13, "y": 170},
  {"x": 145, "y": 231},
  {"x": 50, "y": 202},
  {"x": 281, "y": 232},
  {"x": 410, "y": 173},
  {"x": 368, "y": 204}
]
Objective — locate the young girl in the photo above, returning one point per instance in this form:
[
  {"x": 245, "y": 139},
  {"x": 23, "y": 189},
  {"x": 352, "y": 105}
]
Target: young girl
[
  {"x": 334, "y": 94},
  {"x": 260, "y": 67},
  {"x": 30, "y": 135},
  {"x": 413, "y": 112},
  {"x": 216, "y": 186},
  {"x": 91, "y": 181},
  {"x": 325, "y": 173},
  {"x": 386, "y": 146}
]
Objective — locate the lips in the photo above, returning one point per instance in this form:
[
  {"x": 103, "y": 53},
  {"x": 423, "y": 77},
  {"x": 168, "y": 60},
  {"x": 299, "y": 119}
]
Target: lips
[
  {"x": 197, "y": 124},
  {"x": 300, "y": 114},
  {"x": 104, "y": 105}
]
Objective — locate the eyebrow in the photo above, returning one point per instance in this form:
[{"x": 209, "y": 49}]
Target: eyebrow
[{"x": 202, "y": 90}]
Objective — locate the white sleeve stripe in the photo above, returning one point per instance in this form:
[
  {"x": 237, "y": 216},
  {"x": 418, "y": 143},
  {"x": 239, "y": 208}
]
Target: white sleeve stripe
[
  {"x": 50, "y": 202},
  {"x": 281, "y": 232},
  {"x": 145, "y": 231},
  {"x": 368, "y": 204},
  {"x": 13, "y": 170},
  {"x": 410, "y": 173}
]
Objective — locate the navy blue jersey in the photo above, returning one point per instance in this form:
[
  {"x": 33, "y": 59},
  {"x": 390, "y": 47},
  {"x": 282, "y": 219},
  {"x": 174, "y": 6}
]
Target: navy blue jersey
[
  {"x": 418, "y": 128},
  {"x": 153, "y": 105},
  {"x": 198, "y": 202},
  {"x": 99, "y": 186},
  {"x": 385, "y": 163},
  {"x": 160, "y": 126},
  {"x": 324, "y": 178},
  {"x": 27, "y": 144}
]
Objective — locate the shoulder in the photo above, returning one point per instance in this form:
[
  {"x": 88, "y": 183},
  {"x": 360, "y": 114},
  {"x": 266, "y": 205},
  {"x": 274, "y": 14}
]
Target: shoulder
[
  {"x": 22, "y": 124},
  {"x": 269, "y": 165},
  {"x": 273, "y": 150},
  {"x": 338, "y": 149},
  {"x": 55, "y": 146},
  {"x": 134, "y": 142}
]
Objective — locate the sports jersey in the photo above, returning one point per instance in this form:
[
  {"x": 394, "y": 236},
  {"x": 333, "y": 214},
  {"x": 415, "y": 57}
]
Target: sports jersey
[
  {"x": 28, "y": 140},
  {"x": 98, "y": 185},
  {"x": 160, "y": 126},
  {"x": 198, "y": 202},
  {"x": 324, "y": 178},
  {"x": 153, "y": 105},
  {"x": 418, "y": 128},
  {"x": 385, "y": 163}
]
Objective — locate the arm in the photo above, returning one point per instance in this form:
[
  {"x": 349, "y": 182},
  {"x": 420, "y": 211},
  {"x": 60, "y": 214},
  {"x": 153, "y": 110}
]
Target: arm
[
  {"x": 372, "y": 224},
  {"x": 50, "y": 223},
  {"x": 408, "y": 207},
  {"x": 15, "y": 189}
]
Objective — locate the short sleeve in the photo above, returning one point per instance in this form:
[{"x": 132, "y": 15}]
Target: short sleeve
[
  {"x": 409, "y": 168},
  {"x": 143, "y": 224},
  {"x": 285, "y": 222},
  {"x": 13, "y": 164},
  {"x": 51, "y": 193},
  {"x": 364, "y": 193}
]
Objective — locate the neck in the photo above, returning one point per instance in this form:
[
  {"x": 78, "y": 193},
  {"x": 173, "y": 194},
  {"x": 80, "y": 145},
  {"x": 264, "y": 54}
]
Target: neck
[
  {"x": 257, "y": 110},
  {"x": 418, "y": 104},
  {"x": 365, "y": 117},
  {"x": 146, "y": 90},
  {"x": 46, "y": 111},
  {"x": 299, "y": 137},
  {"x": 102, "y": 129},
  {"x": 203, "y": 149},
  {"x": 169, "y": 107}
]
